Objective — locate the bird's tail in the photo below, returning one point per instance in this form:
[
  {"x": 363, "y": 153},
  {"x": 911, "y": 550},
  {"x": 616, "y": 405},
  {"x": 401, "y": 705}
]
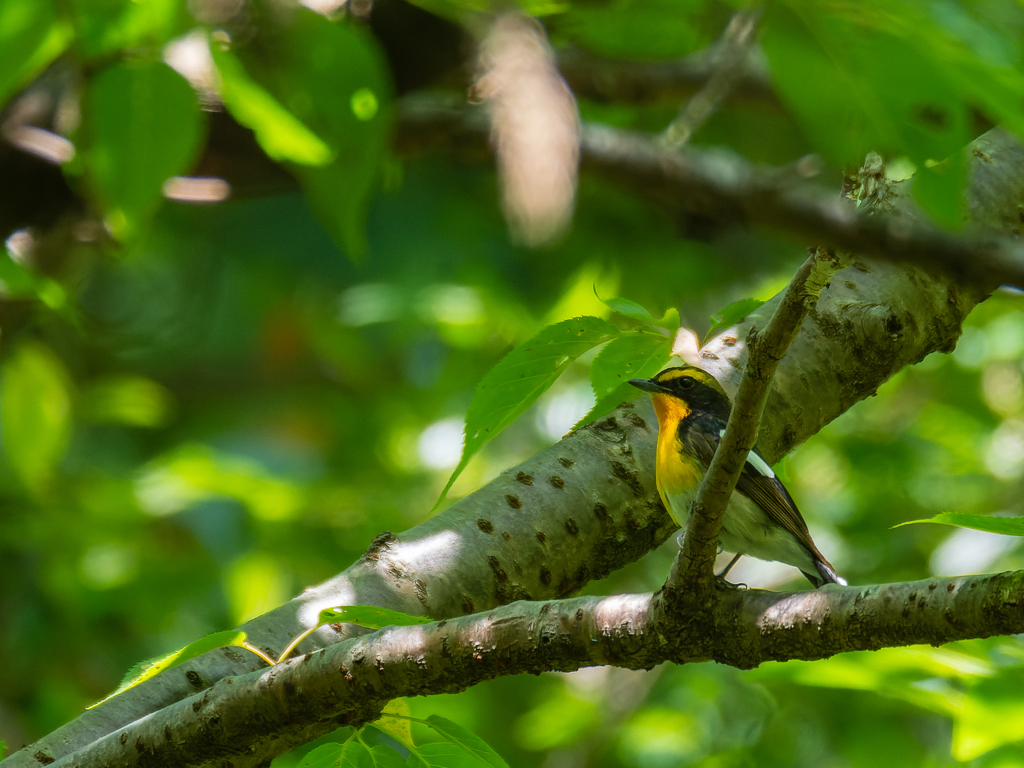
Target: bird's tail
[{"x": 827, "y": 573}]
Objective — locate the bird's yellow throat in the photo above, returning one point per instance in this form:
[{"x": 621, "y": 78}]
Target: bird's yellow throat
[{"x": 676, "y": 472}]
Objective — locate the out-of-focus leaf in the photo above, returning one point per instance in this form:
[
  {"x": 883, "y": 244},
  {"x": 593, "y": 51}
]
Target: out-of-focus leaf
[
  {"x": 939, "y": 190},
  {"x": 106, "y": 26},
  {"x": 332, "y": 77},
  {"x": 149, "y": 669},
  {"x": 131, "y": 400},
  {"x": 394, "y": 721},
  {"x": 194, "y": 472},
  {"x": 523, "y": 375},
  {"x": 1010, "y": 526},
  {"x": 657, "y": 29},
  {"x": 36, "y": 412},
  {"x": 31, "y": 36},
  {"x": 282, "y": 135},
  {"x": 634, "y": 356},
  {"x": 865, "y": 79},
  {"x": 732, "y": 314},
  {"x": 369, "y": 616},
  {"x": 467, "y": 740},
  {"x": 445, "y": 755},
  {"x": 254, "y": 584},
  {"x": 992, "y": 715},
  {"x": 18, "y": 282},
  {"x": 669, "y": 321},
  {"x": 142, "y": 125}
]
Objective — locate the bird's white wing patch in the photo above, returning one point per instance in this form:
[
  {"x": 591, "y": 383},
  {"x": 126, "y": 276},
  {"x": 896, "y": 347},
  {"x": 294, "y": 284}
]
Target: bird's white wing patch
[
  {"x": 754, "y": 460},
  {"x": 759, "y": 464}
]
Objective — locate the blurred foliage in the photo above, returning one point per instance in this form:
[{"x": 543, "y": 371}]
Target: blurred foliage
[{"x": 207, "y": 407}]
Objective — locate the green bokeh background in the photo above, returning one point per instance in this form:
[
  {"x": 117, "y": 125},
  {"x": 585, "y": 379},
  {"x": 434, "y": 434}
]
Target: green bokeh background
[{"x": 229, "y": 405}]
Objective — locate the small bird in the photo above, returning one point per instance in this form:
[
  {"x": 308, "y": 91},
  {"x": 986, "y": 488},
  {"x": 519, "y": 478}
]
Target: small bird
[{"x": 762, "y": 519}]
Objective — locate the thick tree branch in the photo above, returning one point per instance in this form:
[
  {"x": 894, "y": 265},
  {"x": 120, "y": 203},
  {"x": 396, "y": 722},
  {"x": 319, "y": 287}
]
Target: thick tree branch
[
  {"x": 250, "y": 719},
  {"x": 729, "y": 189}
]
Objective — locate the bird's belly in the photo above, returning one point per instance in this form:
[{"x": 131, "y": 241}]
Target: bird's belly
[{"x": 747, "y": 530}]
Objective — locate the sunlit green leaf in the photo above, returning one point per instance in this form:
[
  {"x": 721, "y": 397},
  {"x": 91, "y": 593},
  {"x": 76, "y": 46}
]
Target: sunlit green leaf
[
  {"x": 282, "y": 135},
  {"x": 369, "y": 616},
  {"x": 670, "y": 320},
  {"x": 731, "y": 315},
  {"x": 394, "y": 720},
  {"x": 385, "y": 757},
  {"x": 142, "y": 125},
  {"x": 351, "y": 754},
  {"x": 192, "y": 472},
  {"x": 445, "y": 755},
  {"x": 467, "y": 740},
  {"x": 632, "y": 356},
  {"x": 325, "y": 756},
  {"x": 104, "y": 26},
  {"x": 992, "y": 715},
  {"x": 523, "y": 375},
  {"x": 31, "y": 36},
  {"x": 131, "y": 400},
  {"x": 36, "y": 412},
  {"x": 150, "y": 669},
  {"x": 1010, "y": 526}
]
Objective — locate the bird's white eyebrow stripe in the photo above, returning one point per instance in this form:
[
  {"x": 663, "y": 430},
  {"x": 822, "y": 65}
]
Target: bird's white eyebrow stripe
[{"x": 755, "y": 461}]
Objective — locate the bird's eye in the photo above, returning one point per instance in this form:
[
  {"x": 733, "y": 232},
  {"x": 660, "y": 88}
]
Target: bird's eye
[{"x": 686, "y": 383}]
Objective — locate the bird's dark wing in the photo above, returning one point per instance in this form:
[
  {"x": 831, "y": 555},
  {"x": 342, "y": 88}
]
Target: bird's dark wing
[{"x": 757, "y": 481}]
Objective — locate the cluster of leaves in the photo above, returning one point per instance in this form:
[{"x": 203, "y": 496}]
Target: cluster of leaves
[{"x": 528, "y": 371}]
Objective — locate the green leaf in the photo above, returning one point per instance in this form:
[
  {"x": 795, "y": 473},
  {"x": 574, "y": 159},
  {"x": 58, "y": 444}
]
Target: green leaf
[
  {"x": 523, "y": 375},
  {"x": 866, "y": 76},
  {"x": 36, "y": 410},
  {"x": 281, "y": 135},
  {"x": 108, "y": 26},
  {"x": 394, "y": 721},
  {"x": 142, "y": 125},
  {"x": 369, "y": 616},
  {"x": 333, "y": 78},
  {"x": 132, "y": 400},
  {"x": 467, "y": 740},
  {"x": 731, "y": 315},
  {"x": 635, "y": 356},
  {"x": 385, "y": 757},
  {"x": 31, "y": 36},
  {"x": 670, "y": 320},
  {"x": 1010, "y": 526},
  {"x": 939, "y": 190},
  {"x": 992, "y": 715},
  {"x": 324, "y": 756},
  {"x": 445, "y": 755},
  {"x": 150, "y": 669}
]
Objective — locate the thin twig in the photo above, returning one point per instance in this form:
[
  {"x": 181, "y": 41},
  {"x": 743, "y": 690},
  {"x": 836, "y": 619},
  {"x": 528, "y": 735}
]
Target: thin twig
[
  {"x": 730, "y": 56},
  {"x": 694, "y": 566}
]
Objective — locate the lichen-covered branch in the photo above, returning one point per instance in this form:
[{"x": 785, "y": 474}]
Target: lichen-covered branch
[{"x": 248, "y": 720}]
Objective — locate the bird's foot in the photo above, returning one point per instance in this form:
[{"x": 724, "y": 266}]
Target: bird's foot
[{"x": 721, "y": 583}]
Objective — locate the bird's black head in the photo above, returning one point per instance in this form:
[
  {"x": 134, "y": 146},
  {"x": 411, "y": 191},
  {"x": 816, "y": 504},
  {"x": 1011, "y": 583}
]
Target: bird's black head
[{"x": 694, "y": 386}]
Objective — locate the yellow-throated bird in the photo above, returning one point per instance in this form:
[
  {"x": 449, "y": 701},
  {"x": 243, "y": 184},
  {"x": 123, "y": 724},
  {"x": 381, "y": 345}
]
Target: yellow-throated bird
[{"x": 762, "y": 519}]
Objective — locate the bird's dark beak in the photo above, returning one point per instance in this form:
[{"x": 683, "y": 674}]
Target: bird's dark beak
[{"x": 647, "y": 385}]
